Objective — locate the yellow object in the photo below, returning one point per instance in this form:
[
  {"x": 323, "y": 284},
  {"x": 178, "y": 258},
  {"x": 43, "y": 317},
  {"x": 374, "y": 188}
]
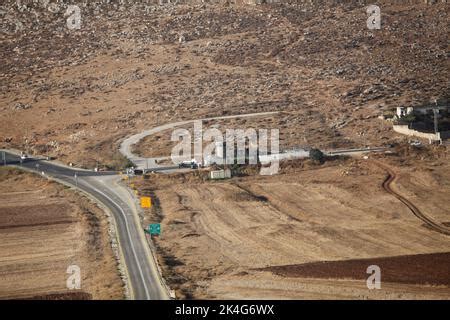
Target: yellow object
[{"x": 146, "y": 202}]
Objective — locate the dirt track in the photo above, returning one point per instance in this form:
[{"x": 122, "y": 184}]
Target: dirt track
[
  {"x": 217, "y": 233},
  {"x": 388, "y": 186}
]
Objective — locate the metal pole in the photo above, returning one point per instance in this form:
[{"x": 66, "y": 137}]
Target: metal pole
[{"x": 435, "y": 112}]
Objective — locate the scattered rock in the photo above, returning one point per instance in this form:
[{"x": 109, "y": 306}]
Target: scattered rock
[{"x": 21, "y": 106}]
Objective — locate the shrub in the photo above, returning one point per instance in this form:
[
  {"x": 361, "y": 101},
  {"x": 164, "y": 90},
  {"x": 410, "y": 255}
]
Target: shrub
[{"x": 317, "y": 155}]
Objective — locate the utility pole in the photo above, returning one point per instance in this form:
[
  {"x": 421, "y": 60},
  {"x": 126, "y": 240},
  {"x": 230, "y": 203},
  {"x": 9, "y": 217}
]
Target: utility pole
[{"x": 435, "y": 113}]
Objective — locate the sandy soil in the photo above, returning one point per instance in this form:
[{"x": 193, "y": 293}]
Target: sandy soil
[
  {"x": 216, "y": 234},
  {"x": 44, "y": 228}
]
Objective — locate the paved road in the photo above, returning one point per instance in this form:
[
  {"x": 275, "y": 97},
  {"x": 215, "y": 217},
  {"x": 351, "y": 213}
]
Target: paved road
[
  {"x": 144, "y": 279},
  {"x": 150, "y": 163},
  {"x": 341, "y": 152}
]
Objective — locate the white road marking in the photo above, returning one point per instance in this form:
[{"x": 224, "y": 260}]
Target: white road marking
[{"x": 129, "y": 237}]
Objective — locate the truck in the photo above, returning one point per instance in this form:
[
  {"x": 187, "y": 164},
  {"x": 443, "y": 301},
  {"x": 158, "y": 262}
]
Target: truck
[
  {"x": 189, "y": 164},
  {"x": 23, "y": 157}
]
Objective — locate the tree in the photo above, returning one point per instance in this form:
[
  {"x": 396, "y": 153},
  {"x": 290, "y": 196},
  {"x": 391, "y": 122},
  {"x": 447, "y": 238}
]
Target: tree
[
  {"x": 317, "y": 155},
  {"x": 409, "y": 118}
]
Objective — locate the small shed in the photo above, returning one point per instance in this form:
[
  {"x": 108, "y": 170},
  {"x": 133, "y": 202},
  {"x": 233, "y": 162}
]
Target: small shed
[{"x": 220, "y": 174}]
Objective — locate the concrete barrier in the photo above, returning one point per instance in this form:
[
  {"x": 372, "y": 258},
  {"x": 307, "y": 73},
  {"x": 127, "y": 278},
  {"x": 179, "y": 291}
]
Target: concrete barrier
[{"x": 403, "y": 129}]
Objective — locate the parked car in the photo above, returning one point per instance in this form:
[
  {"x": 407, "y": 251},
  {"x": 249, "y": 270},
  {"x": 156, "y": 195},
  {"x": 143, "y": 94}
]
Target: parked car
[
  {"x": 23, "y": 157},
  {"x": 189, "y": 164}
]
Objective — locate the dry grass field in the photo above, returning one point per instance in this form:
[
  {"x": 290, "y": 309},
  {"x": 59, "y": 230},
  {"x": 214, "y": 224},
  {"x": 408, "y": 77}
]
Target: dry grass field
[
  {"x": 222, "y": 239},
  {"x": 44, "y": 228}
]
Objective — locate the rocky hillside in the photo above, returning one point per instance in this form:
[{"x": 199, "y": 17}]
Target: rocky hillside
[{"x": 131, "y": 66}]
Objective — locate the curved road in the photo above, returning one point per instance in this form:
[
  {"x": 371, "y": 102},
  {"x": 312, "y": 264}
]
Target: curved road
[
  {"x": 143, "y": 276},
  {"x": 387, "y": 185},
  {"x": 144, "y": 280},
  {"x": 150, "y": 163}
]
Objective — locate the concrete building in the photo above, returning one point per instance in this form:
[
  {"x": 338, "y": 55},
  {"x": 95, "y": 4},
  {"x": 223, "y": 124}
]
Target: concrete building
[
  {"x": 432, "y": 122},
  {"x": 404, "y": 111}
]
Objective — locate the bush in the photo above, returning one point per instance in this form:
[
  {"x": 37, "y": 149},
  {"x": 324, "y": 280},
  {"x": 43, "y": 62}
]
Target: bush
[
  {"x": 119, "y": 162},
  {"x": 409, "y": 118},
  {"x": 317, "y": 155}
]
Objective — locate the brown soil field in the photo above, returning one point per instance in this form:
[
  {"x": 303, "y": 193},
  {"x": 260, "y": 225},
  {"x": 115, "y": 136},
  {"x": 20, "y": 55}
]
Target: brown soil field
[
  {"x": 218, "y": 236},
  {"x": 45, "y": 228},
  {"x": 431, "y": 269},
  {"x": 126, "y": 70}
]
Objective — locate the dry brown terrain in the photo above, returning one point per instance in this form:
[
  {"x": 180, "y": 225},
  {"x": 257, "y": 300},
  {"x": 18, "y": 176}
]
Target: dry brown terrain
[
  {"x": 160, "y": 144},
  {"x": 425, "y": 269},
  {"x": 219, "y": 237},
  {"x": 74, "y": 94},
  {"x": 44, "y": 228}
]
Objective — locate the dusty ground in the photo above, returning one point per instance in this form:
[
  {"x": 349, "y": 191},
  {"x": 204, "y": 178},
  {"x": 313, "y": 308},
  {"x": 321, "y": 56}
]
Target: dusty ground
[
  {"x": 218, "y": 237},
  {"x": 74, "y": 94},
  {"x": 160, "y": 144},
  {"x": 44, "y": 228},
  {"x": 431, "y": 269}
]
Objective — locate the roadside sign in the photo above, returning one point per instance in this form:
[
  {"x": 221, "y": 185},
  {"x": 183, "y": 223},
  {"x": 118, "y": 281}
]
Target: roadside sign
[
  {"x": 154, "y": 229},
  {"x": 146, "y": 202}
]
